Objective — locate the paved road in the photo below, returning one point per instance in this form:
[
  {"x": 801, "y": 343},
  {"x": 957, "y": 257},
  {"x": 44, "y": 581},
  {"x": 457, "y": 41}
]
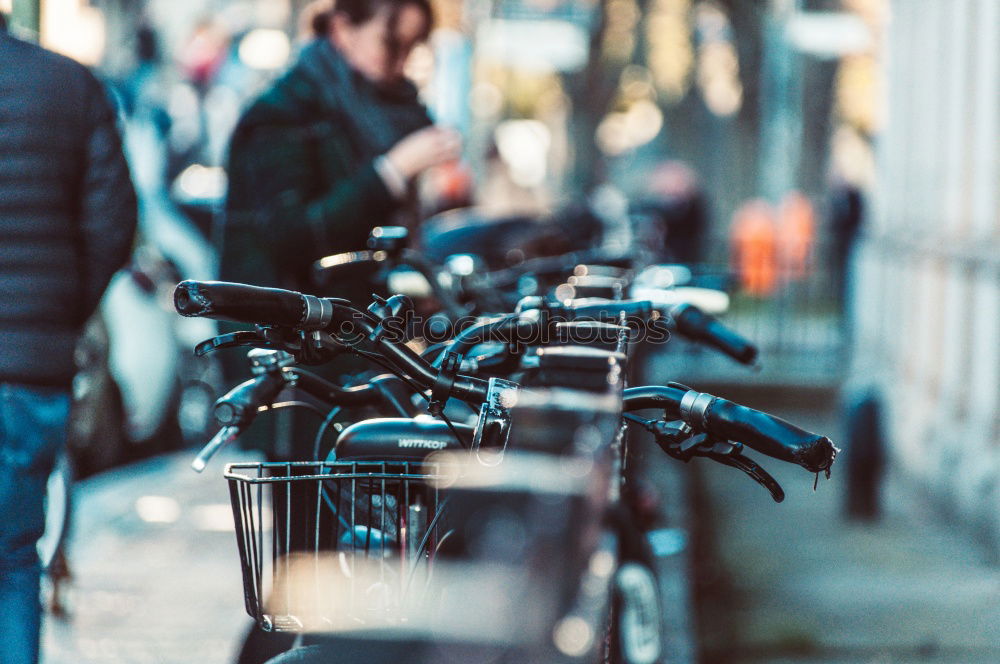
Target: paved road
[
  {"x": 798, "y": 585},
  {"x": 156, "y": 572}
]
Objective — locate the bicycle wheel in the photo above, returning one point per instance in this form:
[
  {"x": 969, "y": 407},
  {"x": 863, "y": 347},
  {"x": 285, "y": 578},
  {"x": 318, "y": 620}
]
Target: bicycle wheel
[{"x": 636, "y": 634}]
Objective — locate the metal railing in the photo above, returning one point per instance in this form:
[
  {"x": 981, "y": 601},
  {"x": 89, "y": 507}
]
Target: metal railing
[{"x": 792, "y": 309}]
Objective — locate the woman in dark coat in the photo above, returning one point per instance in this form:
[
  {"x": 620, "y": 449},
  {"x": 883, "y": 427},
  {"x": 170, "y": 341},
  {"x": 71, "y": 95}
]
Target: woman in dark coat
[{"x": 330, "y": 150}]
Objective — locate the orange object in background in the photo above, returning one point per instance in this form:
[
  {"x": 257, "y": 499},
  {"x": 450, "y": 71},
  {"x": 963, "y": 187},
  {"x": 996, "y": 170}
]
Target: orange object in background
[
  {"x": 447, "y": 187},
  {"x": 454, "y": 181},
  {"x": 203, "y": 53},
  {"x": 754, "y": 247},
  {"x": 796, "y": 235}
]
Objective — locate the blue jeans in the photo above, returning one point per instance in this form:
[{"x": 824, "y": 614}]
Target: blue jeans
[{"x": 33, "y": 423}]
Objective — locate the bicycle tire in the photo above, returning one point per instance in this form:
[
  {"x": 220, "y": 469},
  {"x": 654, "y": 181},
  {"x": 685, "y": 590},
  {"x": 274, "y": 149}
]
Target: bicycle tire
[{"x": 636, "y": 628}]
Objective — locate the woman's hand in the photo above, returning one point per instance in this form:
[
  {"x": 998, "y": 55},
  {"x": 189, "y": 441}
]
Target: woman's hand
[{"x": 423, "y": 149}]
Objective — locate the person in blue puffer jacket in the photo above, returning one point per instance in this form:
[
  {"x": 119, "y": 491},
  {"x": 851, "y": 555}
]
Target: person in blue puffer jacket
[{"x": 67, "y": 220}]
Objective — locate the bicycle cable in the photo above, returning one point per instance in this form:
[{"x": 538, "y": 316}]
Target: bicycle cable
[
  {"x": 378, "y": 359},
  {"x": 425, "y": 539},
  {"x": 327, "y": 421},
  {"x": 382, "y": 362}
]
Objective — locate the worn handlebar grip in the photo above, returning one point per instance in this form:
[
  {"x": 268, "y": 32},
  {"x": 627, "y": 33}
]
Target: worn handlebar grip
[
  {"x": 769, "y": 435},
  {"x": 765, "y": 433},
  {"x": 248, "y": 304},
  {"x": 239, "y": 406}
]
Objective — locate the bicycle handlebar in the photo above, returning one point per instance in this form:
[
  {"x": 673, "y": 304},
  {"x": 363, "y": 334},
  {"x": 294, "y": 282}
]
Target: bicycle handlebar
[
  {"x": 725, "y": 419},
  {"x": 533, "y": 330},
  {"x": 695, "y": 324},
  {"x": 242, "y": 303},
  {"x": 239, "y": 406},
  {"x": 387, "y": 390},
  {"x": 765, "y": 433},
  {"x": 689, "y": 320},
  {"x": 236, "y": 410},
  {"x": 274, "y": 306},
  {"x": 547, "y": 266},
  {"x": 224, "y": 436},
  {"x": 607, "y": 311}
]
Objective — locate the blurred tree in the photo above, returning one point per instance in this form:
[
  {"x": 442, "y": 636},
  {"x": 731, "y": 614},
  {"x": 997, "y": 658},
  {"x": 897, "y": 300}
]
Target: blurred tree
[
  {"x": 722, "y": 149},
  {"x": 593, "y": 89}
]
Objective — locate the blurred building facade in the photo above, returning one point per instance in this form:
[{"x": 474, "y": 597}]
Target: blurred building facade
[{"x": 927, "y": 271}]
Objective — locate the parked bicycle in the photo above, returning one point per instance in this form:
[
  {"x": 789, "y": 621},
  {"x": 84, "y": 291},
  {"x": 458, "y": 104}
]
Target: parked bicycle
[{"x": 380, "y": 512}]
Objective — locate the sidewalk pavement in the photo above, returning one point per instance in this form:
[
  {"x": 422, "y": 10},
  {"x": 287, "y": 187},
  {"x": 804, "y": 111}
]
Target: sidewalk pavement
[
  {"x": 795, "y": 583},
  {"x": 156, "y": 573},
  {"x": 157, "y": 577}
]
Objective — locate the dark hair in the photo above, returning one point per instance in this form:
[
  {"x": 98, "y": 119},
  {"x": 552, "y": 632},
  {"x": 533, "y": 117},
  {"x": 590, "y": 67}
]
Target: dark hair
[
  {"x": 362, "y": 11},
  {"x": 318, "y": 15}
]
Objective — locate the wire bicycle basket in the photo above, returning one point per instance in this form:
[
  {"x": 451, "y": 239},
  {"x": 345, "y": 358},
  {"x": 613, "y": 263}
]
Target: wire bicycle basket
[{"x": 332, "y": 546}]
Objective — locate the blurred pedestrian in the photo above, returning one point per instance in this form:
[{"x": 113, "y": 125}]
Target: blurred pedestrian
[
  {"x": 675, "y": 199},
  {"x": 796, "y": 237},
  {"x": 328, "y": 152},
  {"x": 332, "y": 148},
  {"x": 846, "y": 218},
  {"x": 67, "y": 218}
]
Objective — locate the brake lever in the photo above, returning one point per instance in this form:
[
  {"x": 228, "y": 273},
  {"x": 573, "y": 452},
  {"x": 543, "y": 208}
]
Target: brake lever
[
  {"x": 679, "y": 441},
  {"x": 753, "y": 470},
  {"x": 239, "y": 339}
]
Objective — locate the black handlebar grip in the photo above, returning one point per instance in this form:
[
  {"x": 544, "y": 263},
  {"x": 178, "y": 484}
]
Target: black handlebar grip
[
  {"x": 239, "y": 406},
  {"x": 765, "y": 433},
  {"x": 695, "y": 324},
  {"x": 240, "y": 303}
]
